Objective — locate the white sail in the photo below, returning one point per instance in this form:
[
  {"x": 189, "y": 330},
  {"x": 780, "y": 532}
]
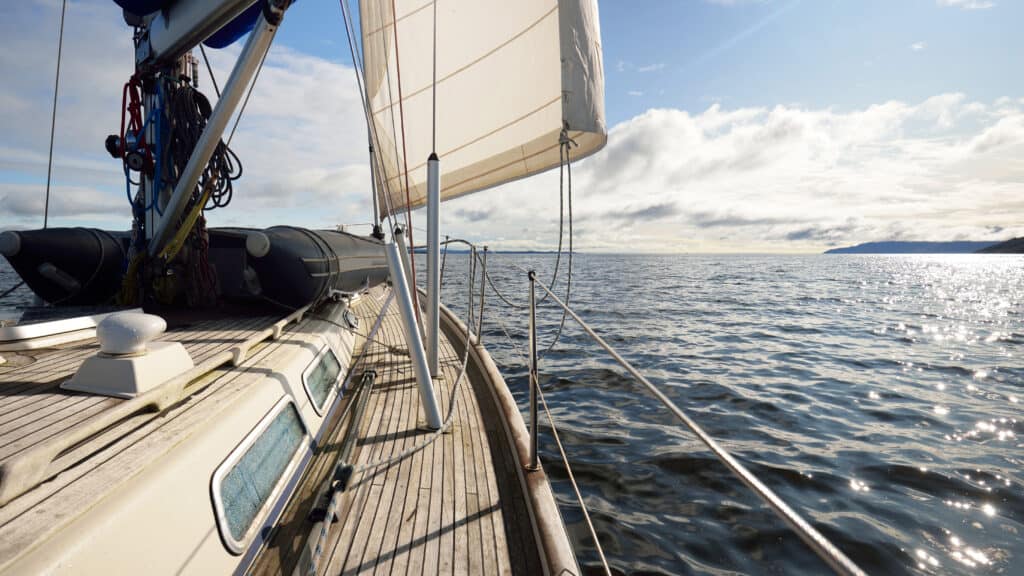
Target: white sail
[{"x": 510, "y": 76}]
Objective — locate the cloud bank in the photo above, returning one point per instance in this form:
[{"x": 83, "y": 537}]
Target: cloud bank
[{"x": 783, "y": 178}]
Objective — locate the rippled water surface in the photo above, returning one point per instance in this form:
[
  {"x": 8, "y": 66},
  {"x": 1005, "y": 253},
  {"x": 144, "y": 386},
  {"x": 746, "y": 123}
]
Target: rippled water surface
[{"x": 881, "y": 396}]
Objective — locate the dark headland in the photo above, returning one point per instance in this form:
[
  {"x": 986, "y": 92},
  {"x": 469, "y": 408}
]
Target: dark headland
[
  {"x": 1011, "y": 246},
  {"x": 963, "y": 247}
]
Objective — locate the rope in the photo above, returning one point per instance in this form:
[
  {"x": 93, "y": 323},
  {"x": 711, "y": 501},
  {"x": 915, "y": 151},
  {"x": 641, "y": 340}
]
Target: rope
[
  {"x": 53, "y": 115},
  {"x": 565, "y": 167},
  {"x": 444, "y": 256},
  {"x": 567, "y": 144},
  {"x": 188, "y": 111},
  {"x": 385, "y": 462}
]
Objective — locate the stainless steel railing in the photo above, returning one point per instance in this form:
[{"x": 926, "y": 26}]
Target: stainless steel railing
[{"x": 824, "y": 548}]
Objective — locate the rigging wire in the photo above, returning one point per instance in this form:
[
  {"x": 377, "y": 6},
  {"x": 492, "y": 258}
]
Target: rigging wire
[
  {"x": 53, "y": 114},
  {"x": 405, "y": 153},
  {"x": 357, "y": 68},
  {"x": 209, "y": 70},
  {"x": 248, "y": 93},
  {"x": 12, "y": 289},
  {"x": 433, "y": 88}
]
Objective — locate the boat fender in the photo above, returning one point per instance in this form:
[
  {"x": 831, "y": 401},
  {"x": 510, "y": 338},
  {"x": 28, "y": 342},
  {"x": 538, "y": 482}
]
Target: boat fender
[
  {"x": 257, "y": 244},
  {"x": 10, "y": 244}
]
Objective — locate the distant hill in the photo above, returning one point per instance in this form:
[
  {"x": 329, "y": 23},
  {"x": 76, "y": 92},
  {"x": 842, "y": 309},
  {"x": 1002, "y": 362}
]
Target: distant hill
[
  {"x": 913, "y": 248},
  {"x": 1011, "y": 246}
]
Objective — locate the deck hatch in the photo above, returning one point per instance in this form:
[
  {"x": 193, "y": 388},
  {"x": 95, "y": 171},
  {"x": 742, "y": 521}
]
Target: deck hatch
[
  {"x": 248, "y": 482},
  {"x": 321, "y": 377}
]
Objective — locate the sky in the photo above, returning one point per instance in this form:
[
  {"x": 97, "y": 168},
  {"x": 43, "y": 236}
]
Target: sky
[{"x": 734, "y": 126}]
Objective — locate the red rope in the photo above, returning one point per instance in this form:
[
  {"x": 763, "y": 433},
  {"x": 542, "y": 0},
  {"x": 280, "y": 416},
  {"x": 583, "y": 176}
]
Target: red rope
[
  {"x": 405, "y": 161},
  {"x": 131, "y": 105}
]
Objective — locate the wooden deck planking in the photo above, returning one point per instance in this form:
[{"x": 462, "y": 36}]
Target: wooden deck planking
[
  {"x": 33, "y": 408},
  {"x": 121, "y": 438},
  {"x": 441, "y": 510}
]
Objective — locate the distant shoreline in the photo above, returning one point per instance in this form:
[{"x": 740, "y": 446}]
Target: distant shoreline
[{"x": 957, "y": 247}]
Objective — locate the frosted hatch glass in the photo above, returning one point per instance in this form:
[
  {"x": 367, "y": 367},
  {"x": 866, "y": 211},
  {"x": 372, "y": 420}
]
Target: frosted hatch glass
[
  {"x": 250, "y": 482},
  {"x": 322, "y": 377}
]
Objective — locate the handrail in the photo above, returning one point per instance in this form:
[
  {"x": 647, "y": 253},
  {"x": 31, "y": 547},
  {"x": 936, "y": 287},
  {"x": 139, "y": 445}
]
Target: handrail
[{"x": 824, "y": 548}]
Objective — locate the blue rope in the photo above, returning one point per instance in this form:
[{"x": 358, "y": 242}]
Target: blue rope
[{"x": 156, "y": 181}]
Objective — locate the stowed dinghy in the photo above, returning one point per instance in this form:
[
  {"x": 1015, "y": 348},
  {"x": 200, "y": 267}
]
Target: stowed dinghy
[
  {"x": 291, "y": 267},
  {"x": 69, "y": 266},
  {"x": 284, "y": 265}
]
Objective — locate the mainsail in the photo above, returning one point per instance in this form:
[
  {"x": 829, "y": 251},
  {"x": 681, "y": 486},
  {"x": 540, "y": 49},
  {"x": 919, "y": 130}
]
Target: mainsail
[{"x": 512, "y": 79}]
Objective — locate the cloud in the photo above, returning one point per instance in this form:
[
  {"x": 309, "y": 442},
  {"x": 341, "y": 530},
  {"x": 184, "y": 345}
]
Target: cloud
[
  {"x": 967, "y": 4},
  {"x": 918, "y": 46},
  {"x": 753, "y": 178},
  {"x": 23, "y": 204},
  {"x": 635, "y": 93},
  {"x": 301, "y": 140},
  {"x": 651, "y": 67},
  {"x": 783, "y": 178}
]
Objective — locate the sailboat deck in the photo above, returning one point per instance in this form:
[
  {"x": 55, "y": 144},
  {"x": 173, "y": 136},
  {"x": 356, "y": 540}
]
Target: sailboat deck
[
  {"x": 454, "y": 507},
  {"x": 33, "y": 407}
]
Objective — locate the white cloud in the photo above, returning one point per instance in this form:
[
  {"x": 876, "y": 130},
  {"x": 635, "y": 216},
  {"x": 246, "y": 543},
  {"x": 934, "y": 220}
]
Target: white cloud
[
  {"x": 301, "y": 140},
  {"x": 651, "y": 67},
  {"x": 782, "y": 178},
  {"x": 635, "y": 93},
  {"x": 918, "y": 46},
  {"x": 967, "y": 4}
]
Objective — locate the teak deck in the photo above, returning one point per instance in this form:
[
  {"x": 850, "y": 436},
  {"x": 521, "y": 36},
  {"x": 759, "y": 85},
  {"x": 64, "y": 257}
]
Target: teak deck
[
  {"x": 33, "y": 408},
  {"x": 461, "y": 505},
  {"x": 454, "y": 507}
]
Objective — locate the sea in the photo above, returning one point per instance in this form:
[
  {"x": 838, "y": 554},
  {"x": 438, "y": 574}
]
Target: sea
[{"x": 882, "y": 397}]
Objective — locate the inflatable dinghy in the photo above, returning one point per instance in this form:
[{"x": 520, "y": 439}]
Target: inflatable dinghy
[{"x": 283, "y": 265}]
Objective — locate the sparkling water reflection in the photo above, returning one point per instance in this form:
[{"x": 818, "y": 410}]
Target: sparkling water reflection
[{"x": 878, "y": 395}]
